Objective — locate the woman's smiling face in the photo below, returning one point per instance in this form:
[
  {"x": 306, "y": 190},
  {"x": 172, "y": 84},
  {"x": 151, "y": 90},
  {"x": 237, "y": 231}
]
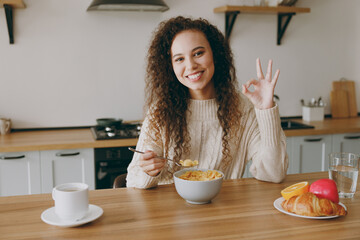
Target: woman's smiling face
[{"x": 193, "y": 64}]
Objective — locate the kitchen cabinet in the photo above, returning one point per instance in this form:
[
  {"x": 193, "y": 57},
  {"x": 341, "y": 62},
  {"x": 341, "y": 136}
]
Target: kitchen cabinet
[
  {"x": 35, "y": 172},
  {"x": 289, "y": 151},
  {"x": 309, "y": 153},
  {"x": 62, "y": 166},
  {"x": 20, "y": 173},
  {"x": 346, "y": 143}
]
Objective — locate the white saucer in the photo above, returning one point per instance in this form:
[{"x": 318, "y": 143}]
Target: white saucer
[{"x": 49, "y": 217}]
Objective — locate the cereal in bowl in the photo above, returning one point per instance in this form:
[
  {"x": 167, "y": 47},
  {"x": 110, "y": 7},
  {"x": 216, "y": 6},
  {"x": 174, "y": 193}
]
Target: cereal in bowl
[
  {"x": 189, "y": 163},
  {"x": 201, "y": 175}
]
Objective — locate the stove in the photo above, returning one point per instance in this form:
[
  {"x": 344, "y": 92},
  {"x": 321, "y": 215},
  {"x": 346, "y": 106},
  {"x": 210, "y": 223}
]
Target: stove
[
  {"x": 125, "y": 130},
  {"x": 111, "y": 162}
]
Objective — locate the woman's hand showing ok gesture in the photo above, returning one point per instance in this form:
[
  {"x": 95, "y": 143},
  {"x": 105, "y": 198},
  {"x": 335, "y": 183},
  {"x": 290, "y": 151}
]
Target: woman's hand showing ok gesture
[{"x": 262, "y": 96}]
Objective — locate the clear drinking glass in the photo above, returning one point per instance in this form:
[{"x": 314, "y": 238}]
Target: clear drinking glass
[{"x": 344, "y": 170}]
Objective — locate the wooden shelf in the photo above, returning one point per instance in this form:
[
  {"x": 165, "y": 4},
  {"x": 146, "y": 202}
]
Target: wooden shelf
[
  {"x": 283, "y": 12},
  {"x": 258, "y": 9},
  {"x": 13, "y": 3},
  {"x": 8, "y": 6}
]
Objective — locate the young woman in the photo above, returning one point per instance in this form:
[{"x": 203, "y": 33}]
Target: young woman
[{"x": 196, "y": 111}]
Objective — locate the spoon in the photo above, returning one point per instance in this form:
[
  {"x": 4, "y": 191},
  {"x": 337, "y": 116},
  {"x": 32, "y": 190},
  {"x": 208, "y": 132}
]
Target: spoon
[{"x": 137, "y": 151}]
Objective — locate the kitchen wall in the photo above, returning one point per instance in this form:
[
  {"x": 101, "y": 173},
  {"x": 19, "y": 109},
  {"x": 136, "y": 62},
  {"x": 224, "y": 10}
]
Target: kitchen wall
[{"x": 69, "y": 66}]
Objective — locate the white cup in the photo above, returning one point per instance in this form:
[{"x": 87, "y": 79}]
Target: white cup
[{"x": 71, "y": 201}]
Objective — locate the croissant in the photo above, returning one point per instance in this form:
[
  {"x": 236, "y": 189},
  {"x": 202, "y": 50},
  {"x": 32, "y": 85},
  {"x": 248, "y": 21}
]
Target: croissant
[{"x": 308, "y": 204}]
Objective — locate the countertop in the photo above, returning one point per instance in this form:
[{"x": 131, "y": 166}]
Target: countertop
[
  {"x": 57, "y": 139},
  {"x": 328, "y": 126},
  {"x": 242, "y": 210},
  {"x": 82, "y": 138}
]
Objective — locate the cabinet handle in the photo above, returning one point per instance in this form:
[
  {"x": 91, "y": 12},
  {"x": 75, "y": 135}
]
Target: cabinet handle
[
  {"x": 313, "y": 140},
  {"x": 12, "y": 157},
  {"x": 352, "y": 137},
  {"x": 67, "y": 154}
]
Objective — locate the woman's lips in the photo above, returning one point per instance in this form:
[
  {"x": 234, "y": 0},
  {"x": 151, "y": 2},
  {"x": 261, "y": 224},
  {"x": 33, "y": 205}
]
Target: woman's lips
[{"x": 195, "y": 76}]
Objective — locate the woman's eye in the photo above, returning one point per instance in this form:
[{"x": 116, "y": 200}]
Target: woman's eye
[
  {"x": 179, "y": 59},
  {"x": 199, "y": 53}
]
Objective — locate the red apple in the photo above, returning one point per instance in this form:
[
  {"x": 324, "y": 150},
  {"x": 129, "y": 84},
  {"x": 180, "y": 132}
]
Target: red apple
[{"x": 325, "y": 188}]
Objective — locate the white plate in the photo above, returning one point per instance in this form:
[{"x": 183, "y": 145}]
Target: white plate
[
  {"x": 49, "y": 217},
  {"x": 277, "y": 205}
]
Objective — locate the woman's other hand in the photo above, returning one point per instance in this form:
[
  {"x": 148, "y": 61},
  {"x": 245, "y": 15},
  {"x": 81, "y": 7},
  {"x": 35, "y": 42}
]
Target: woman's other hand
[
  {"x": 151, "y": 164},
  {"x": 262, "y": 96}
]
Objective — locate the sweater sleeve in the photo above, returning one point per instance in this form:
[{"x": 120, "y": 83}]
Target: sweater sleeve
[
  {"x": 267, "y": 147},
  {"x": 136, "y": 177}
]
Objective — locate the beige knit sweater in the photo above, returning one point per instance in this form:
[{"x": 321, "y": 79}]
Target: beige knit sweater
[{"x": 261, "y": 140}]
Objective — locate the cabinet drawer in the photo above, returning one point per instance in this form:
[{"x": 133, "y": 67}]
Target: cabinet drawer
[
  {"x": 63, "y": 166},
  {"x": 20, "y": 173}
]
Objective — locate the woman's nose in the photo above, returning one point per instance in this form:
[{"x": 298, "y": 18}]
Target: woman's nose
[{"x": 191, "y": 63}]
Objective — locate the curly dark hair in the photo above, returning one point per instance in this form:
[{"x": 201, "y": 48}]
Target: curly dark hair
[{"x": 167, "y": 99}]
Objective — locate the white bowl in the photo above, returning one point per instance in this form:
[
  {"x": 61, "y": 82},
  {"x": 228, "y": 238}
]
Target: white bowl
[{"x": 197, "y": 192}]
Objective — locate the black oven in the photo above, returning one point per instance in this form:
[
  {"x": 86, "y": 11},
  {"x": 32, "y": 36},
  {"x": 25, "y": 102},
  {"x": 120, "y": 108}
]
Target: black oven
[{"x": 110, "y": 163}]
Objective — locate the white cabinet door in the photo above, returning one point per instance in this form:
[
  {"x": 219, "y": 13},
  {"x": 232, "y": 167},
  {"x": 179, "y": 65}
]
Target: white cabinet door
[
  {"x": 346, "y": 143},
  {"x": 310, "y": 153},
  {"x": 289, "y": 146},
  {"x": 63, "y": 166},
  {"x": 19, "y": 173}
]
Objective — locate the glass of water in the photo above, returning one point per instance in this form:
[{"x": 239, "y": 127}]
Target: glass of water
[{"x": 344, "y": 170}]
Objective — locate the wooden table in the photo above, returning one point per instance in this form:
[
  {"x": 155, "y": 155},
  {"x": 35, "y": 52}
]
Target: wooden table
[{"x": 243, "y": 210}]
